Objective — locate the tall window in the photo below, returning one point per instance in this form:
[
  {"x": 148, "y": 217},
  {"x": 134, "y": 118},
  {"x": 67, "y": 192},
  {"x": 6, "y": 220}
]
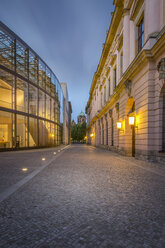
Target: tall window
[
  {"x": 105, "y": 95},
  {"x": 121, "y": 64},
  {"x": 109, "y": 85},
  {"x": 141, "y": 35},
  {"x": 114, "y": 75}
]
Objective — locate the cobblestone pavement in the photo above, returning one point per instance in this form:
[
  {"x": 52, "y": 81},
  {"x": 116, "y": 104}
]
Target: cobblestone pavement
[{"x": 87, "y": 197}]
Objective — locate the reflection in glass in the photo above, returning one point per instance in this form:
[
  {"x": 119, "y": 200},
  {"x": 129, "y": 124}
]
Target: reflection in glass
[
  {"x": 22, "y": 131},
  {"x": 48, "y": 80},
  {"x": 48, "y": 107},
  {"x": 42, "y": 102},
  {"x": 6, "y": 124},
  {"x": 52, "y": 109},
  {"x": 42, "y": 74},
  {"x": 42, "y": 132},
  {"x": 22, "y": 95},
  {"x": 33, "y": 134},
  {"x": 32, "y": 100},
  {"x": 22, "y": 59},
  {"x": 7, "y": 45},
  {"x": 33, "y": 67},
  {"x": 6, "y": 90}
]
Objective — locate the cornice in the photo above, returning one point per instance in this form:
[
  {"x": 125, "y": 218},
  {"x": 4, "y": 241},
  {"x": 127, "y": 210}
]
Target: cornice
[{"x": 109, "y": 39}]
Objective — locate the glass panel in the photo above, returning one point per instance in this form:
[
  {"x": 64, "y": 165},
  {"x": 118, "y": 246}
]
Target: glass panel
[
  {"x": 41, "y": 74},
  {"x": 22, "y": 131},
  {"x": 48, "y": 133},
  {"x": 47, "y": 107},
  {"x": 48, "y": 80},
  {"x": 32, "y": 100},
  {"x": 42, "y": 133},
  {"x": 21, "y": 59},
  {"x": 33, "y": 67},
  {"x": 6, "y": 90},
  {"x": 52, "y": 135},
  {"x": 53, "y": 85},
  {"x": 6, "y": 125},
  {"x": 33, "y": 132},
  {"x": 42, "y": 104},
  {"x": 52, "y": 110},
  {"x": 22, "y": 95},
  {"x": 6, "y": 50}
]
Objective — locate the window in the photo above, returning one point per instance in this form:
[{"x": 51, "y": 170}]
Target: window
[
  {"x": 140, "y": 35},
  {"x": 22, "y": 131},
  {"x": 22, "y": 96},
  {"x": 6, "y": 90},
  {"x": 121, "y": 64},
  {"x": 105, "y": 95},
  {"x": 114, "y": 74},
  {"x": 32, "y": 100},
  {"x": 109, "y": 86}
]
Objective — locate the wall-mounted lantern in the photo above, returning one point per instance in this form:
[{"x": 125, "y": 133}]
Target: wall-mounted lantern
[
  {"x": 119, "y": 125},
  {"x": 132, "y": 121},
  {"x": 91, "y": 135}
]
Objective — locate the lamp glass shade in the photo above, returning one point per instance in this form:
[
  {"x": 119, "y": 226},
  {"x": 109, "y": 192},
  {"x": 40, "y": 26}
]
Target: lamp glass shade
[
  {"x": 131, "y": 120},
  {"x": 119, "y": 125}
]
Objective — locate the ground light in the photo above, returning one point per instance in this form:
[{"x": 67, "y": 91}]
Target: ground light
[
  {"x": 54, "y": 152},
  {"x": 24, "y": 169},
  {"x": 43, "y": 159}
]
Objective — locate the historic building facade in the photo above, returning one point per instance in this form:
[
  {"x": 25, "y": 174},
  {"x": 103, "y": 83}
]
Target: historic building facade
[
  {"x": 31, "y": 97},
  {"x": 126, "y": 106}
]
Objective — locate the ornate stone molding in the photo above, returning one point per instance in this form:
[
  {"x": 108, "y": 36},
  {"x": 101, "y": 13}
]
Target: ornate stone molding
[
  {"x": 128, "y": 87},
  {"x": 161, "y": 68}
]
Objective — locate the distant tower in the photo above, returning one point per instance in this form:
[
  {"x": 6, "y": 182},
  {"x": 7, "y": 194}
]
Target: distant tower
[
  {"x": 81, "y": 118},
  {"x": 73, "y": 123}
]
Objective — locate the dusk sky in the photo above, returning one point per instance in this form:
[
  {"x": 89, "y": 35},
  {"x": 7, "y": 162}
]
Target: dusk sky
[{"x": 67, "y": 34}]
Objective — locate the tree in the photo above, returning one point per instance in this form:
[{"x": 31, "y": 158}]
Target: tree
[{"x": 78, "y": 132}]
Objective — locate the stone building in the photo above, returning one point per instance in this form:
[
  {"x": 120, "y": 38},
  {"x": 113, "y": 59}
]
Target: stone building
[
  {"x": 67, "y": 111},
  {"x": 81, "y": 118},
  {"x": 126, "y": 106}
]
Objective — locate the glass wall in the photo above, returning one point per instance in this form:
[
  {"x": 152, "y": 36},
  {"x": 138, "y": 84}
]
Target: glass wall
[
  {"x": 22, "y": 131},
  {"x": 6, "y": 129},
  {"x": 31, "y": 97},
  {"x": 33, "y": 132},
  {"x": 6, "y": 89},
  {"x": 21, "y": 95}
]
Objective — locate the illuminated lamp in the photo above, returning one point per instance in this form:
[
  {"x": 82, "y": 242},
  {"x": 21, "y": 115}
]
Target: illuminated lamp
[{"x": 131, "y": 120}]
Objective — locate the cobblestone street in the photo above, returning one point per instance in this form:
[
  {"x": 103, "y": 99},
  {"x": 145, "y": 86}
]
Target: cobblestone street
[{"x": 81, "y": 197}]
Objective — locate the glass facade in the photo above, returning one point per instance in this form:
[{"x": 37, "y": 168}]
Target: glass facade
[{"x": 31, "y": 97}]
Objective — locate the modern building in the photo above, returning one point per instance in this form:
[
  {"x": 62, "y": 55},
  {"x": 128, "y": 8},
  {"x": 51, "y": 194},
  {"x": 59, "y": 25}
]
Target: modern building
[
  {"x": 31, "y": 97},
  {"x": 126, "y": 106},
  {"x": 81, "y": 118},
  {"x": 67, "y": 111}
]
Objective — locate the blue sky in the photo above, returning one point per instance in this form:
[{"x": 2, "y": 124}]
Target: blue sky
[{"x": 66, "y": 34}]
